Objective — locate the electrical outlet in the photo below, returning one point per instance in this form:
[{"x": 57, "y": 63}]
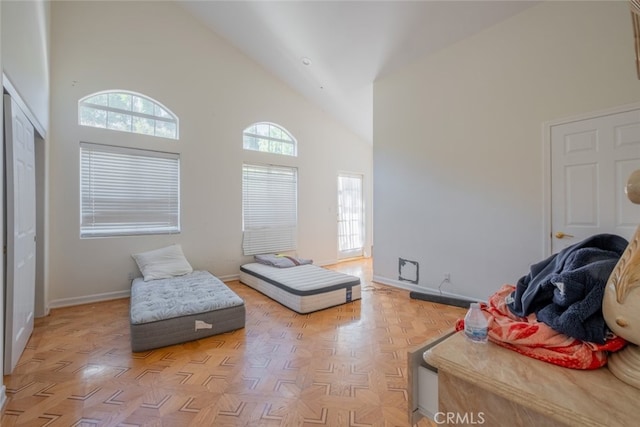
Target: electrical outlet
[{"x": 447, "y": 277}]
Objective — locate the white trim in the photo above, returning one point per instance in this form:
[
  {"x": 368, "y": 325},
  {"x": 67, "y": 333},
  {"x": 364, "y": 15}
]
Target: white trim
[
  {"x": 546, "y": 189},
  {"x": 126, "y": 112},
  {"x": 3, "y": 397},
  {"x": 15, "y": 95},
  {"x": 417, "y": 288},
  {"x": 108, "y": 296},
  {"x": 328, "y": 262},
  {"x": 270, "y": 138},
  {"x": 68, "y": 302},
  {"x": 229, "y": 277},
  {"x": 595, "y": 114},
  {"x": 546, "y": 166}
]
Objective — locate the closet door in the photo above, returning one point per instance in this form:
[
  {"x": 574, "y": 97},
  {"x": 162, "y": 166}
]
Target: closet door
[
  {"x": 21, "y": 232},
  {"x": 591, "y": 160}
]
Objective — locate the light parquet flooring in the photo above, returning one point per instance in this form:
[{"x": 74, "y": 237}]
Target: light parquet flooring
[{"x": 342, "y": 366}]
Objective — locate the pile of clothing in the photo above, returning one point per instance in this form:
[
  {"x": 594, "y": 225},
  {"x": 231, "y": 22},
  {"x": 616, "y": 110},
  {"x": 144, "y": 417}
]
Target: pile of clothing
[{"x": 554, "y": 313}]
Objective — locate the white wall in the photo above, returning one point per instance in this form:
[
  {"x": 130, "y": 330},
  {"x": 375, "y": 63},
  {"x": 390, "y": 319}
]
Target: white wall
[
  {"x": 25, "y": 45},
  {"x": 157, "y": 49},
  {"x": 458, "y": 148}
]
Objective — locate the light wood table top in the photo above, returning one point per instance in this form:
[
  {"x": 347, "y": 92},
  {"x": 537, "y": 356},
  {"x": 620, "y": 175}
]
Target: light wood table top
[{"x": 574, "y": 397}]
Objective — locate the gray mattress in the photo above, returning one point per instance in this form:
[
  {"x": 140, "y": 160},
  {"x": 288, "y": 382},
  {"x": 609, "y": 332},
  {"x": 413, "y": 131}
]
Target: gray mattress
[
  {"x": 304, "y": 288},
  {"x": 183, "y": 308}
]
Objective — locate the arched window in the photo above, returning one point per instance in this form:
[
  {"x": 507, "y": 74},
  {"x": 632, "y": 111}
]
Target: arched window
[
  {"x": 128, "y": 112},
  {"x": 269, "y": 138}
]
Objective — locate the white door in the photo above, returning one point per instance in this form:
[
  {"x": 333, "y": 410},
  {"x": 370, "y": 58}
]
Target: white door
[
  {"x": 350, "y": 216},
  {"x": 21, "y": 232},
  {"x": 591, "y": 161}
]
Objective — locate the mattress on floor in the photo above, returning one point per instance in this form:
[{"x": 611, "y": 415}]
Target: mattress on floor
[
  {"x": 304, "y": 288},
  {"x": 183, "y": 308}
]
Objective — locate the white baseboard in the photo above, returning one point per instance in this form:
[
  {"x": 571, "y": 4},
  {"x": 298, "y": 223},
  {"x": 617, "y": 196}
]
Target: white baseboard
[
  {"x": 229, "y": 277},
  {"x": 327, "y": 262},
  {"x": 88, "y": 299},
  {"x": 424, "y": 289}
]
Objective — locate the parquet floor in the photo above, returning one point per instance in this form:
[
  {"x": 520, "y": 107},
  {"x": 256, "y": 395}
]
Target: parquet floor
[{"x": 343, "y": 366}]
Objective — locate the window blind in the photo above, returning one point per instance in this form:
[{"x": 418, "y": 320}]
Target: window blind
[
  {"x": 127, "y": 191},
  {"x": 269, "y": 208}
]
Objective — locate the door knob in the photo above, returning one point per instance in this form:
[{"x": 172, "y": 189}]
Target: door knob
[{"x": 561, "y": 235}]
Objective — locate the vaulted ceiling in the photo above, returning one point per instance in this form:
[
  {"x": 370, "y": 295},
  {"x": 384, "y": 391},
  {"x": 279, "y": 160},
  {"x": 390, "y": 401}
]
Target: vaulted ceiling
[{"x": 331, "y": 52}]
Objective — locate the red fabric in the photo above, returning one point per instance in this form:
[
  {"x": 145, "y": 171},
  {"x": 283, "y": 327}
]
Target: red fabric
[{"x": 536, "y": 339}]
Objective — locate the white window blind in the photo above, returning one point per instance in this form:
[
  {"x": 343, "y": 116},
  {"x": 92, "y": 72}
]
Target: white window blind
[
  {"x": 269, "y": 208},
  {"x": 125, "y": 191}
]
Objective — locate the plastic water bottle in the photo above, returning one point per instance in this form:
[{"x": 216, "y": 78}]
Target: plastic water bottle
[{"x": 475, "y": 324}]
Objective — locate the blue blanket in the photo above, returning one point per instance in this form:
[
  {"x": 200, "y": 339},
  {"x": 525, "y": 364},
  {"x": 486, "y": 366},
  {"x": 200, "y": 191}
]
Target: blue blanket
[{"x": 565, "y": 291}]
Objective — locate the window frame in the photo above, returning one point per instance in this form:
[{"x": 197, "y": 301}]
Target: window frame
[
  {"x": 169, "y": 118},
  {"x": 351, "y": 215},
  {"x": 290, "y": 140}
]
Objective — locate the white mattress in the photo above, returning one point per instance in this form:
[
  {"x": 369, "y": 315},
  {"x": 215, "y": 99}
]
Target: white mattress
[{"x": 304, "y": 288}]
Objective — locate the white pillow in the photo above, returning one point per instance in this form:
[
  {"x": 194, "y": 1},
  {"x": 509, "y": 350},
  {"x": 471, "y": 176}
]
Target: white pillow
[{"x": 162, "y": 263}]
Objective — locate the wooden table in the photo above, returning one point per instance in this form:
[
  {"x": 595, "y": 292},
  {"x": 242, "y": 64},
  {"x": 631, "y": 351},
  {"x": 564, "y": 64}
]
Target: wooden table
[{"x": 490, "y": 385}]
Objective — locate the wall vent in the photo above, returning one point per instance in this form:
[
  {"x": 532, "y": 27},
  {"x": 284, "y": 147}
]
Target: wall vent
[{"x": 408, "y": 271}]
